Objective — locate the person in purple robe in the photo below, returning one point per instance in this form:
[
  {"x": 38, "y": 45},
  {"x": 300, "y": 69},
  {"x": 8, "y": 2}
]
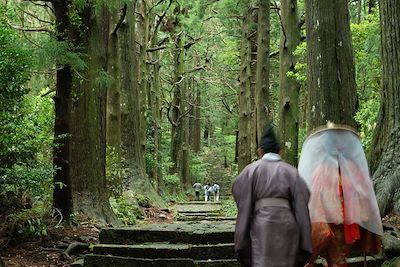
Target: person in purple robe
[{"x": 273, "y": 226}]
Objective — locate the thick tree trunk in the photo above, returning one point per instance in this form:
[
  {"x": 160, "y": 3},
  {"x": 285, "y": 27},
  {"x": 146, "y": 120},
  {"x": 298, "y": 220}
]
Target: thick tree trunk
[
  {"x": 132, "y": 151},
  {"x": 289, "y": 88},
  {"x": 262, "y": 74},
  {"x": 88, "y": 127},
  {"x": 330, "y": 64},
  {"x": 113, "y": 122},
  {"x": 244, "y": 141},
  {"x": 385, "y": 146}
]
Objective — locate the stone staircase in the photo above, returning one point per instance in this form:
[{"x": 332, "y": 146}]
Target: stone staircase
[{"x": 178, "y": 244}]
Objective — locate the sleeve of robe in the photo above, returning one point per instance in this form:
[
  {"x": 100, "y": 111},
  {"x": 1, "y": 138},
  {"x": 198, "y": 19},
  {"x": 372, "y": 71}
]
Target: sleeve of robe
[
  {"x": 300, "y": 198},
  {"x": 242, "y": 193}
]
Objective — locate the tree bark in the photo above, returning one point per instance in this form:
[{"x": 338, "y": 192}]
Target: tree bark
[
  {"x": 155, "y": 106},
  {"x": 143, "y": 34},
  {"x": 262, "y": 75},
  {"x": 88, "y": 116},
  {"x": 62, "y": 194},
  {"x": 113, "y": 123},
  {"x": 244, "y": 141},
  {"x": 385, "y": 144},
  {"x": 330, "y": 64},
  {"x": 289, "y": 88},
  {"x": 177, "y": 106},
  {"x": 133, "y": 158},
  {"x": 195, "y": 122}
]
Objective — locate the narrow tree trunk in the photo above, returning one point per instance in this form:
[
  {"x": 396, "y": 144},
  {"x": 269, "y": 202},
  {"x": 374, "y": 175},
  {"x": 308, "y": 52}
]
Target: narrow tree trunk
[
  {"x": 176, "y": 138},
  {"x": 185, "y": 167},
  {"x": 143, "y": 32},
  {"x": 244, "y": 141},
  {"x": 253, "y": 39},
  {"x": 289, "y": 88},
  {"x": 62, "y": 194},
  {"x": 330, "y": 64},
  {"x": 155, "y": 106},
  {"x": 88, "y": 146},
  {"x": 262, "y": 75},
  {"x": 385, "y": 144},
  {"x": 195, "y": 122}
]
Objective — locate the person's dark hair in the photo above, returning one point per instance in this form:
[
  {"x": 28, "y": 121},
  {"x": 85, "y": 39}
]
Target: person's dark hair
[{"x": 269, "y": 142}]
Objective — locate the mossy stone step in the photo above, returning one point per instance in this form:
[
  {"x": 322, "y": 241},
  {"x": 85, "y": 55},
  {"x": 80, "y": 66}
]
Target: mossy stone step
[
  {"x": 166, "y": 250},
  {"x": 190, "y": 233},
  {"x": 94, "y": 260}
]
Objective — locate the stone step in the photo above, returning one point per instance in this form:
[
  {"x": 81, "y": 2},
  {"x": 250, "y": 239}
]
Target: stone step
[
  {"x": 199, "y": 213},
  {"x": 198, "y": 202},
  {"x": 167, "y": 250},
  {"x": 94, "y": 260},
  {"x": 196, "y": 233},
  {"x": 208, "y": 218}
]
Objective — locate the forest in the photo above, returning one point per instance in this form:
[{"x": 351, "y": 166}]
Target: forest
[{"x": 107, "y": 106}]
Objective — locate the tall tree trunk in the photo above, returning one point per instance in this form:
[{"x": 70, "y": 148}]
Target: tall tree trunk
[
  {"x": 113, "y": 122},
  {"x": 132, "y": 151},
  {"x": 185, "y": 167},
  {"x": 62, "y": 194},
  {"x": 88, "y": 114},
  {"x": 385, "y": 146},
  {"x": 195, "y": 122},
  {"x": 262, "y": 74},
  {"x": 143, "y": 34},
  {"x": 177, "y": 106},
  {"x": 244, "y": 141},
  {"x": 330, "y": 64},
  {"x": 253, "y": 39},
  {"x": 155, "y": 106},
  {"x": 289, "y": 88}
]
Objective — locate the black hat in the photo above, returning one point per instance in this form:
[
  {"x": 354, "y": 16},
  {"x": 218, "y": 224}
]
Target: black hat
[{"x": 268, "y": 141}]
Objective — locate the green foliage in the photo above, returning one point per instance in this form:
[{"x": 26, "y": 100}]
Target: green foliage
[
  {"x": 172, "y": 181},
  {"x": 198, "y": 168},
  {"x": 229, "y": 208},
  {"x": 59, "y": 52},
  {"x": 103, "y": 79},
  {"x": 25, "y": 121},
  {"x": 127, "y": 211},
  {"x": 114, "y": 172},
  {"x": 29, "y": 223}
]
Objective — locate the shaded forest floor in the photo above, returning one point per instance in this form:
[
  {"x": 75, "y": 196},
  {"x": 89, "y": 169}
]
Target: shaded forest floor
[{"x": 49, "y": 251}]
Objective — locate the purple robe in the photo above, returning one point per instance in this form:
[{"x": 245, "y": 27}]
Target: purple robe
[{"x": 272, "y": 236}]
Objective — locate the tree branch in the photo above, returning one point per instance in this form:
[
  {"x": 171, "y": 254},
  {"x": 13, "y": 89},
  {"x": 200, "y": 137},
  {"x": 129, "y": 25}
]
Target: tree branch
[
  {"x": 38, "y": 29},
  {"x": 152, "y": 49},
  {"x": 196, "y": 69},
  {"x": 121, "y": 19}
]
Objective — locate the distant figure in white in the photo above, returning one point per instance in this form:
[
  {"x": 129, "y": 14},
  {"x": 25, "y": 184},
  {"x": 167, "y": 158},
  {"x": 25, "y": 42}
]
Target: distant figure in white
[
  {"x": 216, "y": 192},
  {"x": 206, "y": 193},
  {"x": 197, "y": 186}
]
